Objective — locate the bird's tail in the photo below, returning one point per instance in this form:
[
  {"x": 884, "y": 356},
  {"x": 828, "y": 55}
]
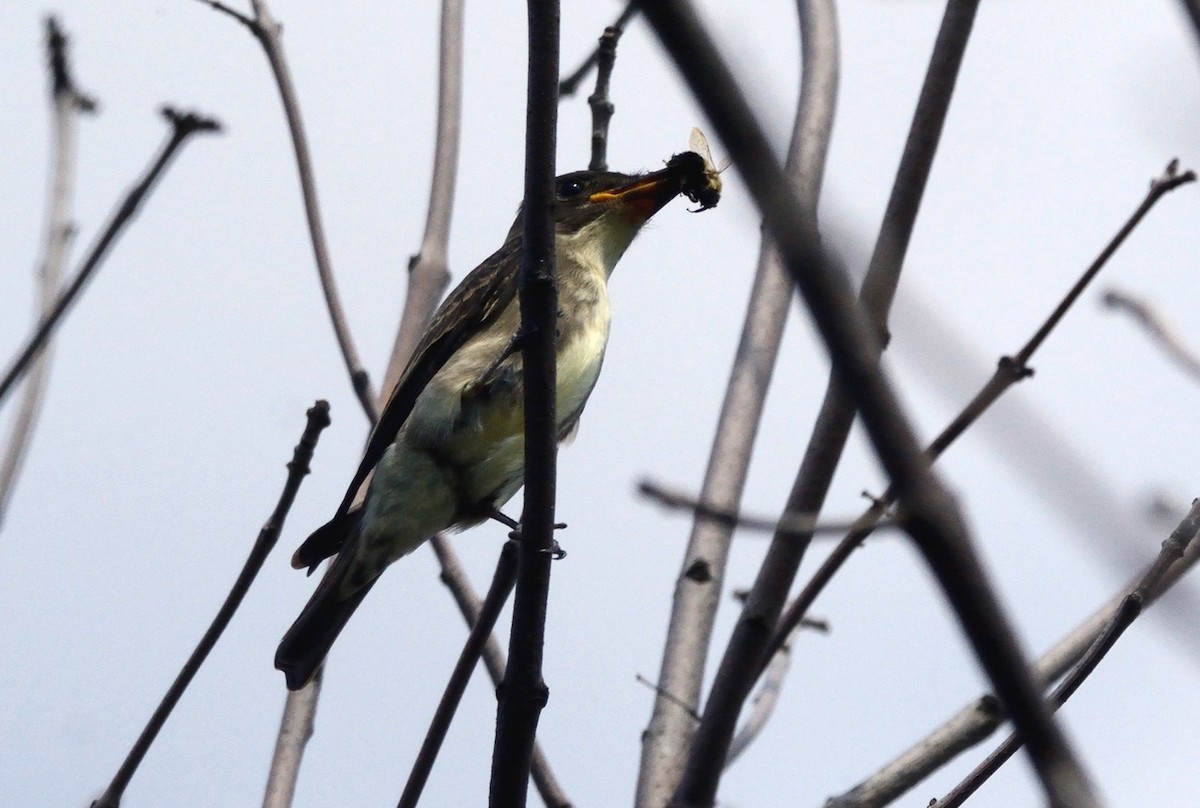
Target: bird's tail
[{"x": 307, "y": 642}]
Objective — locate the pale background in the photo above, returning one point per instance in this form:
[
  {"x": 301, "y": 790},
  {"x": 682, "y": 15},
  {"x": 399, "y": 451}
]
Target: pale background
[{"x": 180, "y": 382}]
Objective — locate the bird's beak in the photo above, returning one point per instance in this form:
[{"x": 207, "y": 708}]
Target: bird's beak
[{"x": 644, "y": 196}]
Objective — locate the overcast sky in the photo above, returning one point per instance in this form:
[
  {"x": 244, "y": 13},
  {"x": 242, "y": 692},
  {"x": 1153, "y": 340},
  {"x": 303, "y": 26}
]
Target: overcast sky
[{"x": 179, "y": 386}]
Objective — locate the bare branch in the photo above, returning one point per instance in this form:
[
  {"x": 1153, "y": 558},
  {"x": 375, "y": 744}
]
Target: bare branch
[
  {"x": 267, "y": 31},
  {"x": 1009, "y": 371},
  {"x": 571, "y": 83},
  {"x": 601, "y": 105},
  {"x": 523, "y": 693},
  {"x": 931, "y": 515},
  {"x": 764, "y": 702},
  {"x": 502, "y": 584},
  {"x": 66, "y": 103},
  {"x": 983, "y": 716},
  {"x": 428, "y": 271},
  {"x": 1156, "y": 327},
  {"x": 693, "y": 612},
  {"x": 183, "y": 126},
  {"x": 1128, "y": 611},
  {"x": 795, "y": 525},
  {"x": 295, "y": 731},
  {"x": 318, "y": 419}
]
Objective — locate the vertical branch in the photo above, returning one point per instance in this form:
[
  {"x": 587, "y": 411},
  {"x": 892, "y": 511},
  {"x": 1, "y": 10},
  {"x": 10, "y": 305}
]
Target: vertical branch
[
  {"x": 668, "y": 737},
  {"x": 295, "y": 730},
  {"x": 428, "y": 272},
  {"x": 523, "y": 693},
  {"x": 66, "y": 103},
  {"x": 601, "y": 104},
  {"x": 183, "y": 126},
  {"x": 428, "y": 276},
  {"x": 933, "y": 520}
]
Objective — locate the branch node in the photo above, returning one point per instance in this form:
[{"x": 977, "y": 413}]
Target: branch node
[{"x": 1015, "y": 368}]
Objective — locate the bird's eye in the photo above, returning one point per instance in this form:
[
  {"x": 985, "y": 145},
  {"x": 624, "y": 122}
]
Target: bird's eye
[{"x": 568, "y": 187}]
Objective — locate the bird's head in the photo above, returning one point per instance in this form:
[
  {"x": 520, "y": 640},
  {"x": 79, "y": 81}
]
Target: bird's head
[{"x": 600, "y": 212}]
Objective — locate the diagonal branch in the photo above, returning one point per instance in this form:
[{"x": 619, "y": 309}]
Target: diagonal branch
[
  {"x": 268, "y": 32},
  {"x": 979, "y": 719},
  {"x": 570, "y": 84},
  {"x": 481, "y": 631},
  {"x": 1009, "y": 371},
  {"x": 183, "y": 126},
  {"x": 932, "y": 517},
  {"x": 1129, "y": 609},
  {"x": 318, "y": 419}
]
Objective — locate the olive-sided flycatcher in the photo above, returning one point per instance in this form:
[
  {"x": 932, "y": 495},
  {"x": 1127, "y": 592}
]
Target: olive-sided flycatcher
[{"x": 449, "y": 450}]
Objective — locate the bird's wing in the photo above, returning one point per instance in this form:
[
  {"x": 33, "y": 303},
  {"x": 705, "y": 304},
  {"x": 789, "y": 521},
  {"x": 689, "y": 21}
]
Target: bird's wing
[{"x": 481, "y": 296}]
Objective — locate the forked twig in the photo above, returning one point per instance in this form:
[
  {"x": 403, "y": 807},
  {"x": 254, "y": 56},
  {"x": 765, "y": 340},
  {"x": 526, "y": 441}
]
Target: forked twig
[
  {"x": 1009, "y": 371},
  {"x": 571, "y": 83},
  {"x": 318, "y": 419}
]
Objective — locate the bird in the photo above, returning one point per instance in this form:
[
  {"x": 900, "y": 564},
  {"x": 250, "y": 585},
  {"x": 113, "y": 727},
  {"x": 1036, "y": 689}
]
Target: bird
[{"x": 448, "y": 450}]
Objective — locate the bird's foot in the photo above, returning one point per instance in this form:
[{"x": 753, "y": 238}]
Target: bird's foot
[{"x": 504, "y": 519}]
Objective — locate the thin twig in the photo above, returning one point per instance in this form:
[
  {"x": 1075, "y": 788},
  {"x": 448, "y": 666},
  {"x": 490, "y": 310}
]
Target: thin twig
[
  {"x": 1156, "y": 327},
  {"x": 601, "y": 105},
  {"x": 523, "y": 693},
  {"x": 1129, "y": 610},
  {"x": 693, "y": 610},
  {"x": 571, "y": 83},
  {"x": 933, "y": 519},
  {"x": 66, "y": 104},
  {"x": 502, "y": 584},
  {"x": 983, "y": 716},
  {"x": 183, "y": 126},
  {"x": 318, "y": 419},
  {"x": 1009, "y": 371},
  {"x": 267, "y": 31},
  {"x": 796, "y": 525}
]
